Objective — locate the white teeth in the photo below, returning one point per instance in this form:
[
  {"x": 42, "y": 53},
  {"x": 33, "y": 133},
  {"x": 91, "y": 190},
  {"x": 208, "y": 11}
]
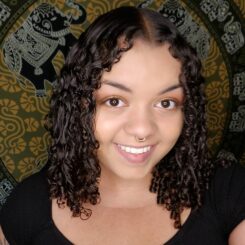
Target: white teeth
[{"x": 134, "y": 150}]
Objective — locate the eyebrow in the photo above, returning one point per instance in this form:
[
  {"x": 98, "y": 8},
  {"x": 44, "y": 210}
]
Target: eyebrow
[
  {"x": 117, "y": 85},
  {"x": 126, "y": 89},
  {"x": 173, "y": 87}
]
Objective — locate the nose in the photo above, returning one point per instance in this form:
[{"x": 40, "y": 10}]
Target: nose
[{"x": 140, "y": 124}]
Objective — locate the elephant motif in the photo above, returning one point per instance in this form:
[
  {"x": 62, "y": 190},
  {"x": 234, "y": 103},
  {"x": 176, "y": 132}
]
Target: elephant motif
[
  {"x": 197, "y": 36},
  {"x": 29, "y": 51},
  {"x": 233, "y": 37},
  {"x": 215, "y": 9}
]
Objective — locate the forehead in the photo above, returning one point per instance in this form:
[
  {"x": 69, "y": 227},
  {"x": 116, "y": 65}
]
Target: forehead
[{"x": 145, "y": 63}]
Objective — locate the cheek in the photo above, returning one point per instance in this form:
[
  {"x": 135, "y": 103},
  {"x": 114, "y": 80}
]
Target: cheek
[
  {"x": 106, "y": 126},
  {"x": 171, "y": 127},
  {"x": 179, "y": 124}
]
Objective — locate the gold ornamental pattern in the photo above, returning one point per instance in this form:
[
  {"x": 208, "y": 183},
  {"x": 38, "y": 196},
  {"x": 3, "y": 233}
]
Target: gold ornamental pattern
[{"x": 23, "y": 138}]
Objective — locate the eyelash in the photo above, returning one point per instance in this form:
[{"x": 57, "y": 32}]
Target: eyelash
[
  {"x": 173, "y": 103},
  {"x": 110, "y": 99}
]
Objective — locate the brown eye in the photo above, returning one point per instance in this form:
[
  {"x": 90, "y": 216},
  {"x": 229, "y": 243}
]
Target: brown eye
[
  {"x": 167, "y": 104},
  {"x": 114, "y": 102}
]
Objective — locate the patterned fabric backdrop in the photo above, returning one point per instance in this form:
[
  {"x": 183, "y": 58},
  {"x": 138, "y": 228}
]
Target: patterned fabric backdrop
[{"x": 36, "y": 35}]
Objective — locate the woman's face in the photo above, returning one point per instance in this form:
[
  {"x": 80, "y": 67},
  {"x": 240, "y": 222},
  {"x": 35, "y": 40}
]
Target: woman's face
[{"x": 141, "y": 97}]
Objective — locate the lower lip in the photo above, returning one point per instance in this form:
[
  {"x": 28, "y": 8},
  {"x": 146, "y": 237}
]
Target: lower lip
[{"x": 135, "y": 158}]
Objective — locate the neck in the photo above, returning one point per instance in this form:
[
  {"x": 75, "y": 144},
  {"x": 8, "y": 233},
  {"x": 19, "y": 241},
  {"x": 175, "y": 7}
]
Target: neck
[{"x": 116, "y": 192}]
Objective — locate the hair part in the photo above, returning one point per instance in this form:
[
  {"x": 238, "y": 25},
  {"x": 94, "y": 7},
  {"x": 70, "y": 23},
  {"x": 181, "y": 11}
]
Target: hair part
[{"x": 179, "y": 179}]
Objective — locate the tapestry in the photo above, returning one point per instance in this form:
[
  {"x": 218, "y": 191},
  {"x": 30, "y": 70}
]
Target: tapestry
[{"x": 35, "y": 37}]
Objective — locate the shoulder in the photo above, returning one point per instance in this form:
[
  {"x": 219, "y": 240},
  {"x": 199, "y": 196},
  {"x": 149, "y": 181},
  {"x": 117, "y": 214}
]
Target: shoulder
[
  {"x": 227, "y": 195},
  {"x": 26, "y": 208}
]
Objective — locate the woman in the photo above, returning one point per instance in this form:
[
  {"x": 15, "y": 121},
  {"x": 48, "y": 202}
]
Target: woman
[{"x": 128, "y": 163}]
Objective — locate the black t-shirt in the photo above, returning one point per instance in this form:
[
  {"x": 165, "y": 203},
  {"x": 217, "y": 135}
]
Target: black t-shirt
[{"x": 26, "y": 217}]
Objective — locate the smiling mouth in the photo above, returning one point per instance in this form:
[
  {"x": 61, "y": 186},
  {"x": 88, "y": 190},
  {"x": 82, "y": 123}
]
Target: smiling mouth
[
  {"x": 135, "y": 155},
  {"x": 134, "y": 150}
]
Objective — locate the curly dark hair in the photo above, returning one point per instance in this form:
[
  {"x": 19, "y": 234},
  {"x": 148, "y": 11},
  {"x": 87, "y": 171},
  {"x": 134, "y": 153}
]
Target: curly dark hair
[{"x": 181, "y": 178}]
